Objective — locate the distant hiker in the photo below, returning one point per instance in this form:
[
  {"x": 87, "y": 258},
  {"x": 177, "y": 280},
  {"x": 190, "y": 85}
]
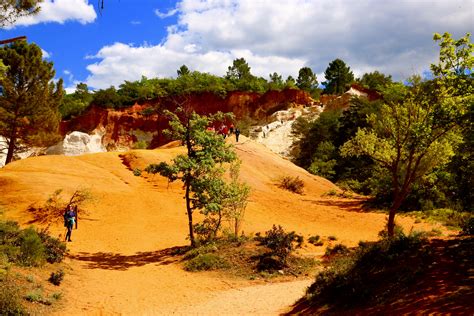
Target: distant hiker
[
  {"x": 263, "y": 133},
  {"x": 237, "y": 133},
  {"x": 69, "y": 220},
  {"x": 231, "y": 129}
]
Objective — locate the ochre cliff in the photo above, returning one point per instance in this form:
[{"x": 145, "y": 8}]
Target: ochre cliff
[{"x": 124, "y": 127}]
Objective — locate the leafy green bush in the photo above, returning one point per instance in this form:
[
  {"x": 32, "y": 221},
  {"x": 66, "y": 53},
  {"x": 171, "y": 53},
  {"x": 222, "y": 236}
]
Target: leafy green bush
[
  {"x": 36, "y": 296},
  {"x": 468, "y": 226},
  {"x": 141, "y": 144},
  {"x": 206, "y": 261},
  {"x": 10, "y": 300},
  {"x": 315, "y": 240},
  {"x": 32, "y": 250},
  {"x": 338, "y": 249},
  {"x": 373, "y": 272},
  {"x": 280, "y": 243},
  {"x": 293, "y": 184},
  {"x": 55, "y": 249},
  {"x": 56, "y": 277},
  {"x": 137, "y": 172}
]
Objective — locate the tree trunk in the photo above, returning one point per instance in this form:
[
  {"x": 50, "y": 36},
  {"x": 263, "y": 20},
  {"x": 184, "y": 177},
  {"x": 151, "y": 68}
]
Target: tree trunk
[
  {"x": 190, "y": 214},
  {"x": 11, "y": 148}
]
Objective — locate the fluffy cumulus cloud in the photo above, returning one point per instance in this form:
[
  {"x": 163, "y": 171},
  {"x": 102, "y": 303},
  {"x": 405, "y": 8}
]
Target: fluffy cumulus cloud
[
  {"x": 60, "y": 11},
  {"x": 394, "y": 37}
]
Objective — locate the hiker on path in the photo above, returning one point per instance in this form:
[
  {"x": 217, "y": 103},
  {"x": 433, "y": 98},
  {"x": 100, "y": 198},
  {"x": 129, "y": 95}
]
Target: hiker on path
[
  {"x": 237, "y": 133},
  {"x": 69, "y": 220},
  {"x": 231, "y": 129}
]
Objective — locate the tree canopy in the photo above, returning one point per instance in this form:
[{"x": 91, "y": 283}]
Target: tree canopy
[
  {"x": 338, "y": 77},
  {"x": 418, "y": 127},
  {"x": 29, "y": 105},
  {"x": 306, "y": 79},
  {"x": 11, "y": 10}
]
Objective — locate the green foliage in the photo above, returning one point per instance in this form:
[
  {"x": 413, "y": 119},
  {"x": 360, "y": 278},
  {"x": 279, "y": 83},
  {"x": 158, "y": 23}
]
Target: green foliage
[
  {"x": 338, "y": 77},
  {"x": 36, "y": 296},
  {"x": 204, "y": 262},
  {"x": 281, "y": 245},
  {"x": 29, "y": 106},
  {"x": 276, "y": 82},
  {"x": 75, "y": 103},
  {"x": 32, "y": 250},
  {"x": 137, "y": 172},
  {"x": 315, "y": 240},
  {"x": 306, "y": 79},
  {"x": 372, "y": 273},
  {"x": 324, "y": 161},
  {"x": 56, "y": 277},
  {"x": 10, "y": 299},
  {"x": 338, "y": 249},
  {"x": 293, "y": 184},
  {"x": 200, "y": 169},
  {"x": 11, "y": 10},
  {"x": 468, "y": 226},
  {"x": 141, "y": 144},
  {"x": 54, "y": 248},
  {"x": 375, "y": 80},
  {"x": 183, "y": 71}
]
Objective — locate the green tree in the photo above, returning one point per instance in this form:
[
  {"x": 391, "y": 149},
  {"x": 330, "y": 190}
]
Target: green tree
[
  {"x": 290, "y": 82},
  {"x": 236, "y": 199},
  {"x": 183, "y": 71},
  {"x": 375, "y": 80},
  {"x": 201, "y": 168},
  {"x": 11, "y": 10},
  {"x": 29, "y": 106},
  {"x": 306, "y": 79},
  {"x": 276, "y": 81},
  {"x": 417, "y": 129},
  {"x": 239, "y": 70},
  {"x": 338, "y": 77},
  {"x": 75, "y": 103}
]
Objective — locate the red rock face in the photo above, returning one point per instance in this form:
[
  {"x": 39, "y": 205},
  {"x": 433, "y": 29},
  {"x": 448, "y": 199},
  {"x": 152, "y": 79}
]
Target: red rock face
[{"x": 126, "y": 126}]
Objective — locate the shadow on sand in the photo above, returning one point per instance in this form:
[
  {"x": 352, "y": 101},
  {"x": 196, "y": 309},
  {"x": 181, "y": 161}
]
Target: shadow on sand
[{"x": 115, "y": 261}]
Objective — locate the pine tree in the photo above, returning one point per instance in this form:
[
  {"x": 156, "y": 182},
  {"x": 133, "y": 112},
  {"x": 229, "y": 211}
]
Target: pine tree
[
  {"x": 29, "y": 104},
  {"x": 338, "y": 77}
]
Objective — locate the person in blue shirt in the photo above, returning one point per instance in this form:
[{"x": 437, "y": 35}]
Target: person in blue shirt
[{"x": 69, "y": 220}]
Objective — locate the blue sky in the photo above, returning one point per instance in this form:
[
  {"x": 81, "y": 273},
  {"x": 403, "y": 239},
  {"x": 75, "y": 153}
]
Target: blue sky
[{"x": 153, "y": 38}]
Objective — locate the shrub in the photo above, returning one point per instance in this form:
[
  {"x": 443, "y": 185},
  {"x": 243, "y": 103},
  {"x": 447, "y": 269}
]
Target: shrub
[
  {"x": 315, "y": 240},
  {"x": 207, "y": 261},
  {"x": 468, "y": 226},
  {"x": 56, "y": 277},
  {"x": 10, "y": 300},
  {"x": 373, "y": 272},
  {"x": 55, "y": 249},
  {"x": 137, "y": 172},
  {"x": 280, "y": 243},
  {"x": 141, "y": 144},
  {"x": 293, "y": 184},
  {"x": 36, "y": 296},
  {"x": 338, "y": 249},
  {"x": 332, "y": 238},
  {"x": 32, "y": 250}
]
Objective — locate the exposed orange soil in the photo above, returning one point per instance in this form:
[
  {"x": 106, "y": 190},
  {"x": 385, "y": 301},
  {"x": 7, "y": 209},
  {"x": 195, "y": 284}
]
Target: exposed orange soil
[{"x": 120, "y": 257}]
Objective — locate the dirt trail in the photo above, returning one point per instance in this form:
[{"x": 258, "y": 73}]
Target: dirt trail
[{"x": 121, "y": 256}]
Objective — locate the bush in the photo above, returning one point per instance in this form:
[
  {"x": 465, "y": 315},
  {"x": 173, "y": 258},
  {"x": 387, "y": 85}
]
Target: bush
[
  {"x": 137, "y": 172},
  {"x": 56, "y": 277},
  {"x": 468, "y": 226},
  {"x": 315, "y": 240},
  {"x": 32, "y": 250},
  {"x": 55, "y": 249},
  {"x": 280, "y": 243},
  {"x": 293, "y": 184},
  {"x": 10, "y": 300},
  {"x": 338, "y": 249},
  {"x": 207, "y": 261},
  {"x": 36, "y": 296},
  {"x": 373, "y": 272}
]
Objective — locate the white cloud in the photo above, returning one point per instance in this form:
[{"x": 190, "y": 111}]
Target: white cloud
[
  {"x": 135, "y": 22},
  {"x": 60, "y": 11},
  {"x": 45, "y": 54},
  {"x": 69, "y": 75},
  {"x": 282, "y": 36},
  {"x": 162, "y": 15}
]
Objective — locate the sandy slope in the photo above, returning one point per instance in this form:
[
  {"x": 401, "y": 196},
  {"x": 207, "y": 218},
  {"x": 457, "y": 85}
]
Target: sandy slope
[{"x": 120, "y": 255}]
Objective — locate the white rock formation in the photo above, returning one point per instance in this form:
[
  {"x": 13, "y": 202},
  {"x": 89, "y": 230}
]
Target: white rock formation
[
  {"x": 78, "y": 143},
  {"x": 277, "y": 134}
]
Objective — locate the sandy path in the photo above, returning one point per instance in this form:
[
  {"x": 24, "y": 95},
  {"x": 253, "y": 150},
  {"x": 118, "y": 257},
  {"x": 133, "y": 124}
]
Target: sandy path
[{"x": 267, "y": 299}]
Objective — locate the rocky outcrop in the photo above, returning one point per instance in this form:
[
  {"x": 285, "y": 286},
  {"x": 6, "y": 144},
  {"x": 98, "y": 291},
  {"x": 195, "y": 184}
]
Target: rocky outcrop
[{"x": 140, "y": 123}]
